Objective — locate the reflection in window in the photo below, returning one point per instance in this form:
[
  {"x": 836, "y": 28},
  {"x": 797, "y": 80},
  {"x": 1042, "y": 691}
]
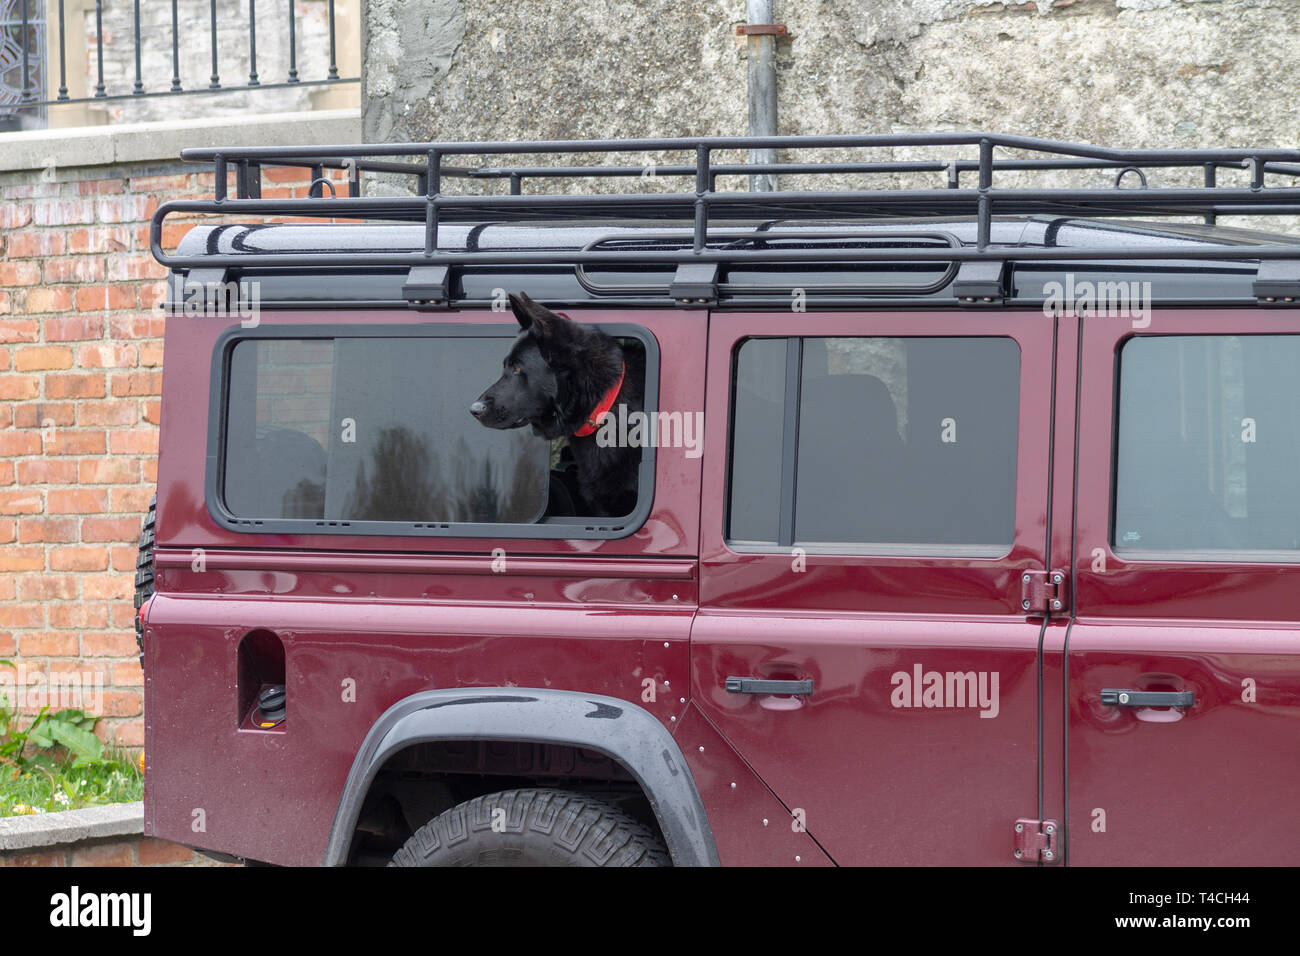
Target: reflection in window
[
  {"x": 1209, "y": 444},
  {"x": 902, "y": 442},
  {"x": 374, "y": 429}
]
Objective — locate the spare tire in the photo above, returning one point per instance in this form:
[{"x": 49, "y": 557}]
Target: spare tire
[{"x": 144, "y": 572}]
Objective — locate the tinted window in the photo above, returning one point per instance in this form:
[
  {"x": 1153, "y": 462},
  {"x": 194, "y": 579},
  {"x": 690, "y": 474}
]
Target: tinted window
[
  {"x": 901, "y": 442},
  {"x": 1208, "y": 444},
  {"x": 375, "y": 429}
]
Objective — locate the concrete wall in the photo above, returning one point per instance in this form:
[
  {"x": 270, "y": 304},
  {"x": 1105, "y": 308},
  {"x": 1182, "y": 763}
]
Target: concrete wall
[{"x": 1115, "y": 72}]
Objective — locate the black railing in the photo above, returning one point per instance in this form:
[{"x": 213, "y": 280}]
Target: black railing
[
  {"x": 709, "y": 212},
  {"x": 24, "y": 34}
]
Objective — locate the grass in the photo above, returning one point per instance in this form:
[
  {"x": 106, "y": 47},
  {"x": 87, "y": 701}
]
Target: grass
[{"x": 68, "y": 785}]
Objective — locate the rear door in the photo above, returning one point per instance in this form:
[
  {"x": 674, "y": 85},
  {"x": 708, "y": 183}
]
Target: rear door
[
  {"x": 875, "y": 488},
  {"x": 1183, "y": 664}
]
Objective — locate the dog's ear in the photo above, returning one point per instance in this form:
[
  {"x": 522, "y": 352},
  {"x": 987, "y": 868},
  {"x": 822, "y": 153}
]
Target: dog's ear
[{"x": 532, "y": 317}]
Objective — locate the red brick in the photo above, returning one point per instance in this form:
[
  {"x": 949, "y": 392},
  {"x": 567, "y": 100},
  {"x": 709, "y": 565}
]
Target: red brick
[
  {"x": 104, "y": 854},
  {"x": 77, "y": 501},
  {"x": 33, "y": 357},
  {"x": 124, "y": 556},
  {"x": 111, "y": 530},
  {"x": 35, "y": 242},
  {"x": 98, "y": 187},
  {"x": 14, "y": 215},
  {"x": 14, "y": 443},
  {"x": 42, "y": 414},
  {"x": 21, "y": 615},
  {"x": 129, "y": 733},
  {"x": 77, "y": 441},
  {"x": 8, "y": 588},
  {"x": 151, "y": 852},
  {"x": 22, "y": 501},
  {"x": 135, "y": 441},
  {"x": 99, "y": 239},
  {"x": 128, "y": 674},
  {"x": 6, "y": 306},
  {"x": 108, "y": 413},
  {"x": 139, "y": 326},
  {"x": 72, "y": 328},
  {"x": 121, "y": 614},
  {"x": 108, "y": 587},
  {"x": 75, "y": 385},
  {"x": 22, "y": 559},
  {"x": 124, "y": 703},
  {"x": 8, "y": 644},
  {"x": 19, "y": 387},
  {"x": 149, "y": 471},
  {"x": 169, "y": 183},
  {"x": 6, "y": 360},
  {"x": 53, "y": 299},
  {"x": 132, "y": 501},
  {"x": 20, "y": 330},
  {"x": 45, "y": 471},
  {"x": 153, "y": 412},
  {"x": 134, "y": 266},
  {"x": 48, "y": 587},
  {"x": 78, "y": 614},
  {"x": 6, "y": 472},
  {"x": 151, "y": 353},
  {"x": 35, "y": 859},
  {"x": 19, "y": 273},
  {"x": 47, "y": 645},
  {"x": 108, "y": 471},
  {"x": 126, "y": 208},
  {"x": 62, "y": 212},
  {"x": 88, "y": 558},
  {"x": 117, "y": 355},
  {"x": 137, "y": 383},
  {"x": 51, "y": 530},
  {"x": 78, "y": 268}
]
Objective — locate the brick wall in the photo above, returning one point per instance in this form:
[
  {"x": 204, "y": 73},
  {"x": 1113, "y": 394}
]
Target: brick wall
[
  {"x": 81, "y": 357},
  {"x": 115, "y": 851}
]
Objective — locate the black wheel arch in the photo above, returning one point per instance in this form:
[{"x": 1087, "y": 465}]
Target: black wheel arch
[{"x": 620, "y": 730}]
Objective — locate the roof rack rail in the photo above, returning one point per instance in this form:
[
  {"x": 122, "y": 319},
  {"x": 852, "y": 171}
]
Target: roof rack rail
[{"x": 714, "y": 215}]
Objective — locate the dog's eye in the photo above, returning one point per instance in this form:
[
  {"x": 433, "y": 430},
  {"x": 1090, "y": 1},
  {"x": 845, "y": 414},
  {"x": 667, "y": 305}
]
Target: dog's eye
[{"x": 519, "y": 370}]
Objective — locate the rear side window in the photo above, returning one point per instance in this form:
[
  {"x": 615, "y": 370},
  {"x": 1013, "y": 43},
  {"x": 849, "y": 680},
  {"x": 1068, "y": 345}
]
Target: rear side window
[
  {"x": 1208, "y": 444},
  {"x": 374, "y": 429},
  {"x": 875, "y": 444},
  {"x": 351, "y": 431}
]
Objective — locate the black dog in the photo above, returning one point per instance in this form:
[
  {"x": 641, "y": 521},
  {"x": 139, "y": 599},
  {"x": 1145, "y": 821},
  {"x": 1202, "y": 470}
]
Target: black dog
[{"x": 562, "y": 378}]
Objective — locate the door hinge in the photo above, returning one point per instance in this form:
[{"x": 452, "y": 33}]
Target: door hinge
[
  {"x": 1045, "y": 592},
  {"x": 1035, "y": 841}
]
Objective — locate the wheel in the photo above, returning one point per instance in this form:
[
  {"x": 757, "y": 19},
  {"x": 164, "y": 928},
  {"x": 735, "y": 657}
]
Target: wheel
[
  {"x": 533, "y": 828},
  {"x": 144, "y": 572}
]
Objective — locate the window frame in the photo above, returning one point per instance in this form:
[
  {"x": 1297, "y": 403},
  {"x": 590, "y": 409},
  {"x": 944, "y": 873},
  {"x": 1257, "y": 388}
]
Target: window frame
[
  {"x": 554, "y": 528},
  {"x": 1224, "y": 556},
  {"x": 788, "y": 492}
]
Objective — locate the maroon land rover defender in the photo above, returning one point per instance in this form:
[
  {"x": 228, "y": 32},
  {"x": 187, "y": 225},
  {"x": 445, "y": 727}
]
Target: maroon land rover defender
[{"x": 965, "y": 526}]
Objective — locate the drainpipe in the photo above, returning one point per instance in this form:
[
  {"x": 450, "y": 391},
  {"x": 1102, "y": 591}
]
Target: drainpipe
[{"x": 762, "y": 34}]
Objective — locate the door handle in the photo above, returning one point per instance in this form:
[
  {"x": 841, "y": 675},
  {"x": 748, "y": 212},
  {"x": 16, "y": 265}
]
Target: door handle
[
  {"x": 753, "y": 685},
  {"x": 1148, "y": 698}
]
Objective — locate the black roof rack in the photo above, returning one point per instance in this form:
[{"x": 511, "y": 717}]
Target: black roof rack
[{"x": 724, "y": 229}]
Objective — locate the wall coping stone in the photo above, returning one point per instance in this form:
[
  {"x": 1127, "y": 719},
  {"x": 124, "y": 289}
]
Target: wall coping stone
[{"x": 70, "y": 826}]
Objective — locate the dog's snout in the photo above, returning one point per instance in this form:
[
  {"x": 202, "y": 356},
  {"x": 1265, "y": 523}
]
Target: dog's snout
[{"x": 478, "y": 408}]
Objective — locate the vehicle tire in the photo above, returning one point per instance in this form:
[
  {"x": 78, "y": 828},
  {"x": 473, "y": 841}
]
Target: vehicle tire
[
  {"x": 538, "y": 828},
  {"x": 144, "y": 572}
]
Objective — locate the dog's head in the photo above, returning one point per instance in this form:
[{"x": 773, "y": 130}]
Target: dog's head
[{"x": 529, "y": 389}]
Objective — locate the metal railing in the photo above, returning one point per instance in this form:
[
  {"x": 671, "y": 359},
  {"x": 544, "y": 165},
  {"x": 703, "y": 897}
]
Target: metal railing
[
  {"x": 29, "y": 35},
  {"x": 705, "y": 204}
]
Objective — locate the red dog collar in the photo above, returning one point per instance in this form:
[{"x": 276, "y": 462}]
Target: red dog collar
[{"x": 606, "y": 403}]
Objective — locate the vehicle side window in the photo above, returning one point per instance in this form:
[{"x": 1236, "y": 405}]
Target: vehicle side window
[
  {"x": 374, "y": 429},
  {"x": 903, "y": 444},
  {"x": 1208, "y": 445}
]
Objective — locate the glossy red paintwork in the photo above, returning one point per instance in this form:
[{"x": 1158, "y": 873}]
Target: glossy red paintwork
[
  {"x": 869, "y": 782},
  {"x": 1216, "y": 787}
]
